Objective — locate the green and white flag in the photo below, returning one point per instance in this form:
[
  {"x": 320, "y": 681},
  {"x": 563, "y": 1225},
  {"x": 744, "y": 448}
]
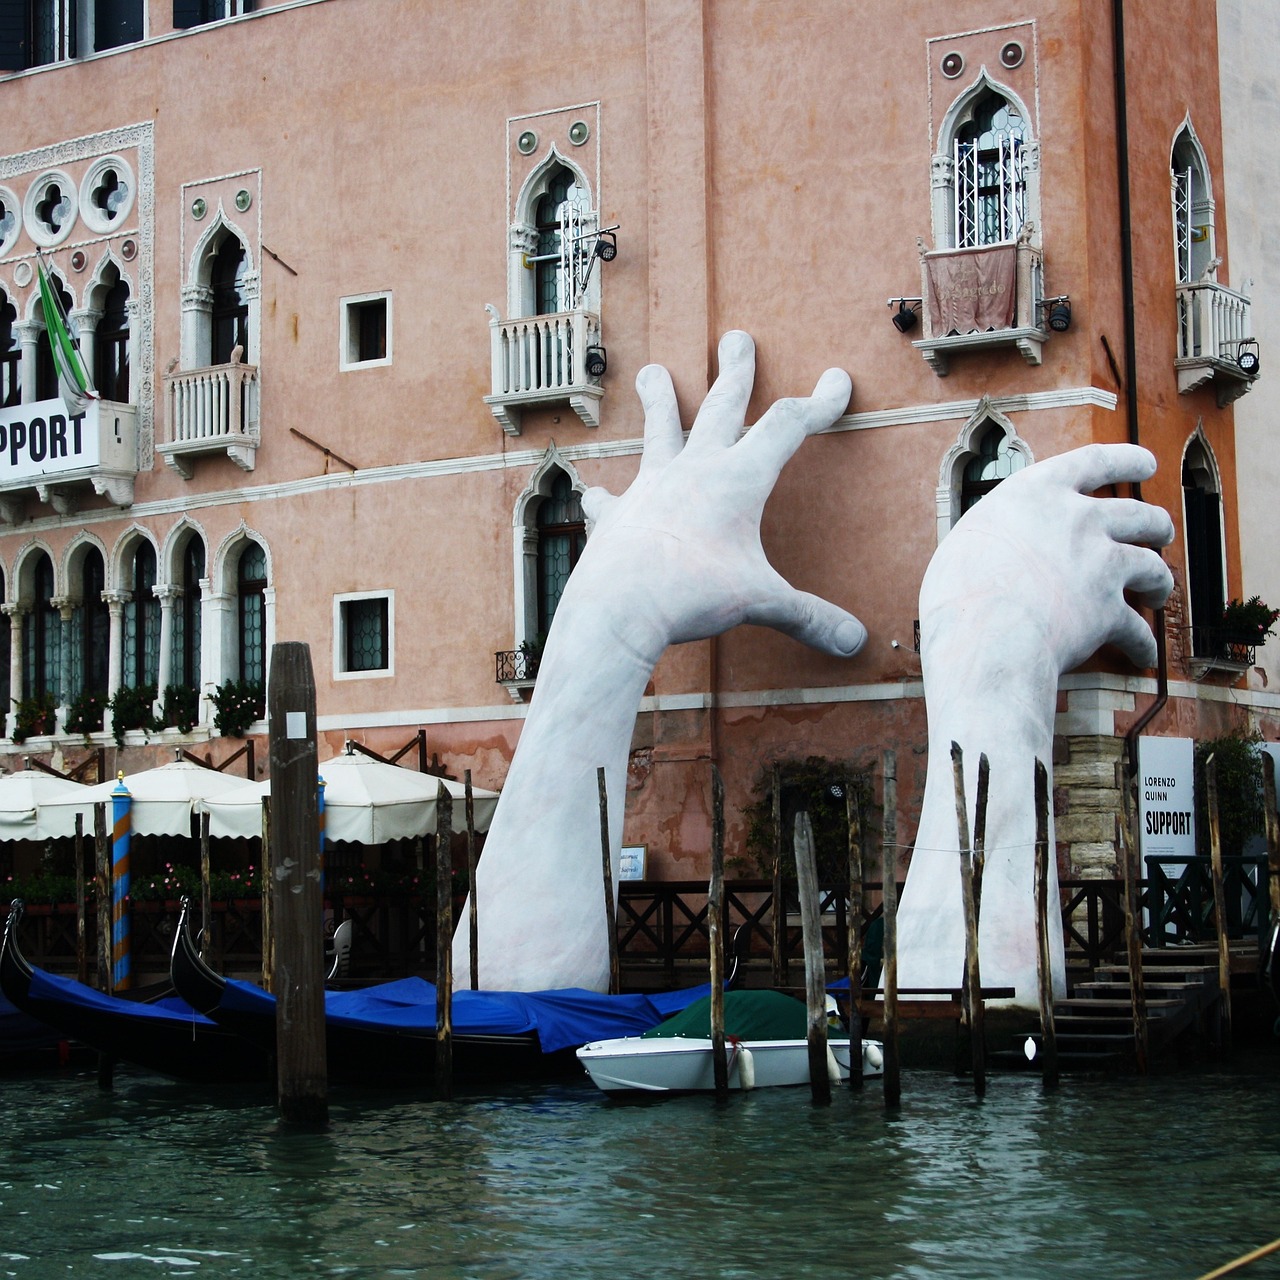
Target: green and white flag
[{"x": 74, "y": 384}]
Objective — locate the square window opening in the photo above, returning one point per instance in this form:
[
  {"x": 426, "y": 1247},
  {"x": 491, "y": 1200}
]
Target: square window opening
[
  {"x": 364, "y": 636},
  {"x": 366, "y": 332}
]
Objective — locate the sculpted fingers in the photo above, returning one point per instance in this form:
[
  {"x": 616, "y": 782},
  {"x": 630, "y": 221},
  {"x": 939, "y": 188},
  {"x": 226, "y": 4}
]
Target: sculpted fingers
[
  {"x": 596, "y": 502},
  {"x": 1145, "y": 575},
  {"x": 1127, "y": 520},
  {"x": 811, "y": 620},
  {"x": 771, "y": 442},
  {"x": 663, "y": 438},
  {"x": 1097, "y": 465},
  {"x": 1133, "y": 637},
  {"x": 722, "y": 415}
]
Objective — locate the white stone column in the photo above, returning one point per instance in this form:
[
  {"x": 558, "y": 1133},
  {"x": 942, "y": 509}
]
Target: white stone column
[
  {"x": 197, "y": 326},
  {"x": 168, "y": 596},
  {"x": 15, "y": 614},
  {"x": 28, "y": 337},
  {"x": 66, "y": 608},
  {"x": 85, "y": 327}
]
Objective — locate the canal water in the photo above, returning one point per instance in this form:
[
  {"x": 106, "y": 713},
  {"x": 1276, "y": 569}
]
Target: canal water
[{"x": 1165, "y": 1178}]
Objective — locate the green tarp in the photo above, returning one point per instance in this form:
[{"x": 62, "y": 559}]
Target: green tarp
[{"x": 748, "y": 1015}]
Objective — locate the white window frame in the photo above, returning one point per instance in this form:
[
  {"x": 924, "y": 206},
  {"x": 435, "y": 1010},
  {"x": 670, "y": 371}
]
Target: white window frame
[
  {"x": 348, "y": 336},
  {"x": 340, "y": 635}
]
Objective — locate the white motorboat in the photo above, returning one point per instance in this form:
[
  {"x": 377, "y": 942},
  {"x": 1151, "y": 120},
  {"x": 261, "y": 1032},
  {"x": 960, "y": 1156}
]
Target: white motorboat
[
  {"x": 683, "y": 1064},
  {"x": 766, "y": 1044}
]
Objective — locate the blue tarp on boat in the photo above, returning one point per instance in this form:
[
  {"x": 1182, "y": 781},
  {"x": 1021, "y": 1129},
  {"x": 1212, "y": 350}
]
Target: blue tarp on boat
[
  {"x": 51, "y": 987},
  {"x": 562, "y": 1019}
]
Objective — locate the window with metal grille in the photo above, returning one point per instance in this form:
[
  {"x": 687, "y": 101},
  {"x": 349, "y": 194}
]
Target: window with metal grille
[
  {"x": 251, "y": 595},
  {"x": 141, "y": 639},
  {"x": 1192, "y": 209},
  {"x": 562, "y": 535},
  {"x": 364, "y": 634},
  {"x": 555, "y": 210},
  {"x": 990, "y": 174},
  {"x": 1206, "y": 576}
]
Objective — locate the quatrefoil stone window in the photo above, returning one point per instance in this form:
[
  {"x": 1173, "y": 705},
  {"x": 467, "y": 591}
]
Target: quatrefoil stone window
[
  {"x": 10, "y": 220},
  {"x": 106, "y": 196},
  {"x": 49, "y": 211}
]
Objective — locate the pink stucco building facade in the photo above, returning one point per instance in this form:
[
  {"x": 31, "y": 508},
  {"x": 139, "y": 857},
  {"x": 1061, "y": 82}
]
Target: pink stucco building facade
[{"x": 345, "y": 268}]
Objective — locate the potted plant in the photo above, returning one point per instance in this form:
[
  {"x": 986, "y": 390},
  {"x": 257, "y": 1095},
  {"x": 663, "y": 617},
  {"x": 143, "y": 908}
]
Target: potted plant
[
  {"x": 237, "y": 704},
  {"x": 1249, "y": 621},
  {"x": 132, "y": 708},
  {"x": 36, "y": 716},
  {"x": 85, "y": 713},
  {"x": 180, "y": 707}
]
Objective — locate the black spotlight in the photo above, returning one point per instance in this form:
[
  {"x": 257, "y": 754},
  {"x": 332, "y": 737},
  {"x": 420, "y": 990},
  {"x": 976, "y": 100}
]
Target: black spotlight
[
  {"x": 905, "y": 318},
  {"x": 596, "y": 362},
  {"x": 1060, "y": 315},
  {"x": 1247, "y": 357},
  {"x": 606, "y": 246}
]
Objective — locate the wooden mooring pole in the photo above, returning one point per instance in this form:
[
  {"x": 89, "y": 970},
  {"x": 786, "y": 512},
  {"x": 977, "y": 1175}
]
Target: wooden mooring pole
[
  {"x": 715, "y": 942},
  {"x": 82, "y": 952},
  {"x": 1272, "y": 819},
  {"x": 444, "y": 942},
  {"x": 779, "y": 955},
  {"x": 293, "y": 883},
  {"x": 473, "y": 917},
  {"x": 1133, "y": 926},
  {"x": 266, "y": 922},
  {"x": 610, "y": 906},
  {"x": 1219, "y": 898},
  {"x": 892, "y": 1069},
  {"x": 1044, "y": 967},
  {"x": 206, "y": 889},
  {"x": 815, "y": 972},
  {"x": 853, "y": 819},
  {"x": 102, "y": 883},
  {"x": 972, "y": 1002}
]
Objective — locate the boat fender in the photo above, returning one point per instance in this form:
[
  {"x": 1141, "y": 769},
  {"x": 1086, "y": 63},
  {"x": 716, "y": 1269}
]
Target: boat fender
[
  {"x": 746, "y": 1069},
  {"x": 872, "y": 1055},
  {"x": 833, "y": 1067}
]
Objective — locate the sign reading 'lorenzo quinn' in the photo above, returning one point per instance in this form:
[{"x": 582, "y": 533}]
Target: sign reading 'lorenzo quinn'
[{"x": 44, "y": 438}]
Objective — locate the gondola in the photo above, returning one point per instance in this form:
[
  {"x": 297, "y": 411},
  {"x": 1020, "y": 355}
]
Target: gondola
[
  {"x": 385, "y": 1035},
  {"x": 166, "y": 1036}
]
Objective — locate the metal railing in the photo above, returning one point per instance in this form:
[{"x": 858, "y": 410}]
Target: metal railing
[
  {"x": 542, "y": 353},
  {"x": 1212, "y": 321},
  {"x": 1179, "y": 899},
  {"x": 516, "y": 664},
  {"x": 1222, "y": 645}
]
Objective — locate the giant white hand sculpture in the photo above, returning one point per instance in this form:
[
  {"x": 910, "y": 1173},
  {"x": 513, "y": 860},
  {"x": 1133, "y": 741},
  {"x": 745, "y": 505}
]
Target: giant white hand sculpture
[
  {"x": 676, "y": 557},
  {"x": 1029, "y": 583}
]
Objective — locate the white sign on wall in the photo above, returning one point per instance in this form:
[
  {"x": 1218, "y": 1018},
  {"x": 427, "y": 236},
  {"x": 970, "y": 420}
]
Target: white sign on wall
[
  {"x": 45, "y": 438},
  {"x": 1166, "y": 797}
]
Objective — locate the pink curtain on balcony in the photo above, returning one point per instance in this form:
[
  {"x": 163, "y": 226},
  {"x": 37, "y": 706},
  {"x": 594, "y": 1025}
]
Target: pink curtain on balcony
[{"x": 971, "y": 289}]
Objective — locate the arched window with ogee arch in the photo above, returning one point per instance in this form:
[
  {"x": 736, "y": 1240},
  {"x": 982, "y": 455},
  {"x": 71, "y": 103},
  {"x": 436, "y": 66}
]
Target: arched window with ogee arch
[
  {"x": 111, "y": 344},
  {"x": 995, "y": 459},
  {"x": 1206, "y": 577},
  {"x": 251, "y": 613},
  {"x": 141, "y": 638},
  {"x": 990, "y": 173},
  {"x": 90, "y": 629},
  {"x": 186, "y": 615},
  {"x": 230, "y": 313},
  {"x": 10, "y": 356},
  {"x": 46, "y": 371},
  {"x": 562, "y": 535},
  {"x": 554, "y": 285},
  {"x": 42, "y": 635}
]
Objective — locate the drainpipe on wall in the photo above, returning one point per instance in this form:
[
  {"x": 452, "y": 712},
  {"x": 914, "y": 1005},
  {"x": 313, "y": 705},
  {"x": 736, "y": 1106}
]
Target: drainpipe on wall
[{"x": 1131, "y": 358}]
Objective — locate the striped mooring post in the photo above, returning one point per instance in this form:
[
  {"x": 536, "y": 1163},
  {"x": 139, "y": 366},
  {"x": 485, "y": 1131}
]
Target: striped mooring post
[
  {"x": 320, "y": 786},
  {"x": 121, "y": 960}
]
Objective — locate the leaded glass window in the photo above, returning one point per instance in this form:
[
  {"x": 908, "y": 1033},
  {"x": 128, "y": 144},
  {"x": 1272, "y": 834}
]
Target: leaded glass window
[
  {"x": 365, "y": 632},
  {"x": 990, "y": 177},
  {"x": 562, "y": 534},
  {"x": 142, "y": 622},
  {"x": 554, "y": 285},
  {"x": 42, "y": 636},
  {"x": 251, "y": 587},
  {"x": 186, "y": 617},
  {"x": 995, "y": 460},
  {"x": 90, "y": 631}
]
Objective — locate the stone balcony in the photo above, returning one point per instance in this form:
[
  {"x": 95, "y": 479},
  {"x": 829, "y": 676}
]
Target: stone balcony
[
  {"x": 211, "y": 411},
  {"x": 1213, "y": 325}
]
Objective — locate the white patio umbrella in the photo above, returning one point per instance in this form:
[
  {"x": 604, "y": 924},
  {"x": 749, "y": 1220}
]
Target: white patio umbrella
[
  {"x": 163, "y": 800},
  {"x": 366, "y": 801},
  {"x": 21, "y": 795}
]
